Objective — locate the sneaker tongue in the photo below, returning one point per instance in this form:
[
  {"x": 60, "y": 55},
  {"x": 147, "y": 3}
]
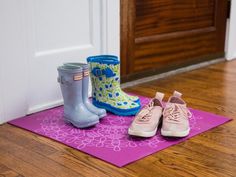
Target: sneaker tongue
[
  {"x": 159, "y": 96},
  {"x": 177, "y": 94}
]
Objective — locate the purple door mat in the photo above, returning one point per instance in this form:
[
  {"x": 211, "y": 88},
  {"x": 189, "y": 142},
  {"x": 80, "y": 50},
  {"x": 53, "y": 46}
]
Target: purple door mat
[{"x": 109, "y": 140}]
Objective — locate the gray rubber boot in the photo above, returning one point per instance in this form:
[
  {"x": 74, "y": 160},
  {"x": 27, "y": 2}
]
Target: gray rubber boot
[
  {"x": 75, "y": 112},
  {"x": 98, "y": 111}
]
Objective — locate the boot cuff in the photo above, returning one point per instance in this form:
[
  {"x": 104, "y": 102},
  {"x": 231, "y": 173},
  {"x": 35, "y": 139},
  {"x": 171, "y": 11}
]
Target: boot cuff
[
  {"x": 70, "y": 69},
  {"x": 104, "y": 59},
  {"x": 84, "y": 66}
]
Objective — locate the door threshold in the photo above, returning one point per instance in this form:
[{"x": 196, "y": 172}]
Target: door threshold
[{"x": 170, "y": 73}]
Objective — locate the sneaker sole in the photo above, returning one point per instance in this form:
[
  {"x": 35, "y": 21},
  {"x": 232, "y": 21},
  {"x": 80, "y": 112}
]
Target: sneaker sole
[
  {"x": 142, "y": 134},
  {"x": 175, "y": 134}
]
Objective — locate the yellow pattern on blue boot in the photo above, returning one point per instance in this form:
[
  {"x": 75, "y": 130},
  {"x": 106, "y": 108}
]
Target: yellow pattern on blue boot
[
  {"x": 107, "y": 94},
  {"x": 115, "y": 58}
]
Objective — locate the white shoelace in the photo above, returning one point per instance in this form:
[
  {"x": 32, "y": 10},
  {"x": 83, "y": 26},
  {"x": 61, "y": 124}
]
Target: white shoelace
[
  {"x": 175, "y": 111},
  {"x": 145, "y": 114}
]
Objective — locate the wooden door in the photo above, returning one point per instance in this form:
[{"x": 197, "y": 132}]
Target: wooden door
[{"x": 161, "y": 35}]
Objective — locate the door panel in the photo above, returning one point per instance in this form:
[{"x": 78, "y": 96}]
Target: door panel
[
  {"x": 159, "y": 17},
  {"x": 62, "y": 31},
  {"x": 172, "y": 52},
  {"x": 168, "y": 34},
  {"x": 65, "y": 24}
]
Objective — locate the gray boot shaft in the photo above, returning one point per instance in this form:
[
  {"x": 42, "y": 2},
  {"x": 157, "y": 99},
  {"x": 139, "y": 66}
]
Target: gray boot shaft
[
  {"x": 98, "y": 111},
  {"x": 75, "y": 112}
]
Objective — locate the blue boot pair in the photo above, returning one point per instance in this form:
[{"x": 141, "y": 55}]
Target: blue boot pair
[
  {"x": 74, "y": 80},
  {"x": 106, "y": 91}
]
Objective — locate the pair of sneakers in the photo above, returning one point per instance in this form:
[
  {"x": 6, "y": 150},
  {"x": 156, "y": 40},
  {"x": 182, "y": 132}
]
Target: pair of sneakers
[{"x": 174, "y": 117}]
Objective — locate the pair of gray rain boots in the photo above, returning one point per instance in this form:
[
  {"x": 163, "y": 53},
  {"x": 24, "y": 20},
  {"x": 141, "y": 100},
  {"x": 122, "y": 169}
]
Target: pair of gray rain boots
[{"x": 78, "y": 110}]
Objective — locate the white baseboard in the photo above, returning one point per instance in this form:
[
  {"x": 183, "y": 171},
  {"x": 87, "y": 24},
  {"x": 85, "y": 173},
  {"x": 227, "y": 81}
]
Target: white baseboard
[
  {"x": 48, "y": 105},
  {"x": 1, "y": 112},
  {"x": 1, "y": 121},
  {"x": 45, "y": 106},
  {"x": 231, "y": 56}
]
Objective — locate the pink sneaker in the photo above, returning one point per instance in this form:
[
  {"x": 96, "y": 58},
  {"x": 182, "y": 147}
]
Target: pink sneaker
[
  {"x": 175, "y": 117},
  {"x": 147, "y": 120}
]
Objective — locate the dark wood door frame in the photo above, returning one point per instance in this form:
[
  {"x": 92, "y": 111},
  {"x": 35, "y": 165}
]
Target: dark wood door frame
[
  {"x": 127, "y": 16},
  {"x": 128, "y": 41}
]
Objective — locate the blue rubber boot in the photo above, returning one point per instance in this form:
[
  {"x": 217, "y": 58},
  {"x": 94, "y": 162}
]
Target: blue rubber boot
[
  {"x": 98, "y": 111},
  {"x": 75, "y": 112},
  {"x": 115, "y": 58},
  {"x": 107, "y": 94}
]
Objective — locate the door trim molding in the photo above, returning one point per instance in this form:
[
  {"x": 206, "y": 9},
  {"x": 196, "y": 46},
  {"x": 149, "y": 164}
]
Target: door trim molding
[
  {"x": 2, "y": 115},
  {"x": 231, "y": 43},
  {"x": 127, "y": 20},
  {"x": 110, "y": 32}
]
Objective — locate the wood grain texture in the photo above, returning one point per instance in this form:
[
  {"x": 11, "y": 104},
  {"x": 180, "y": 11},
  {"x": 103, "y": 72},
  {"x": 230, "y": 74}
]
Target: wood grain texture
[
  {"x": 5, "y": 171},
  {"x": 165, "y": 16},
  {"x": 127, "y": 16},
  {"x": 211, "y": 153},
  {"x": 169, "y": 34}
]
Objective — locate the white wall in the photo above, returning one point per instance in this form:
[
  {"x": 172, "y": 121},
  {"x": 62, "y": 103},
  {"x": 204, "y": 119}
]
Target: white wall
[
  {"x": 13, "y": 77},
  {"x": 19, "y": 51},
  {"x": 231, "y": 33}
]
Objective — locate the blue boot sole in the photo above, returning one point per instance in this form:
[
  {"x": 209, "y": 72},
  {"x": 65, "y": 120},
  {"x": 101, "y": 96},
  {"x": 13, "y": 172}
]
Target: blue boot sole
[
  {"x": 137, "y": 101},
  {"x": 117, "y": 111}
]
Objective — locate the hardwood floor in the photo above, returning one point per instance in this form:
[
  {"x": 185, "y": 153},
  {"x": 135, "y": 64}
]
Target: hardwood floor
[{"x": 212, "y": 153}]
